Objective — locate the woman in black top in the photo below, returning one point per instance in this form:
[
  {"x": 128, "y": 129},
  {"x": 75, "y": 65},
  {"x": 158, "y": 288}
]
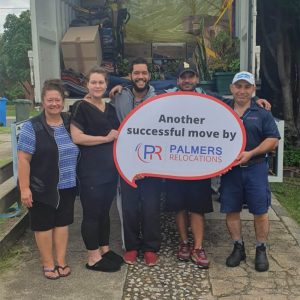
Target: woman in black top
[{"x": 94, "y": 128}]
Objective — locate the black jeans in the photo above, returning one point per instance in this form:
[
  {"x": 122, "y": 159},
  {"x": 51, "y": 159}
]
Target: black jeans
[
  {"x": 141, "y": 214},
  {"x": 96, "y": 201}
]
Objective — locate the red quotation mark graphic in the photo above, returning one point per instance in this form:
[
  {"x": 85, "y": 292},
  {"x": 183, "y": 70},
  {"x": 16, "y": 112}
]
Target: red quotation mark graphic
[{"x": 146, "y": 153}]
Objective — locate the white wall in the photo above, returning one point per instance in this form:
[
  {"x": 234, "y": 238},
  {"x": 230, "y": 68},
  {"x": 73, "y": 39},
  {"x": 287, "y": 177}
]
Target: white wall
[
  {"x": 49, "y": 22},
  {"x": 242, "y": 30}
]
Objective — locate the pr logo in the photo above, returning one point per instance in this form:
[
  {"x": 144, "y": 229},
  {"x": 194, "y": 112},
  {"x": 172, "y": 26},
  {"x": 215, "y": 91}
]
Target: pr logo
[{"x": 147, "y": 153}]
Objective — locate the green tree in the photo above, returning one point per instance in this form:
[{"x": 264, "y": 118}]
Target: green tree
[{"x": 14, "y": 45}]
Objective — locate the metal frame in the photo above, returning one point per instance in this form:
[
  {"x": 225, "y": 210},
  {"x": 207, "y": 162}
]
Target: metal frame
[{"x": 278, "y": 177}]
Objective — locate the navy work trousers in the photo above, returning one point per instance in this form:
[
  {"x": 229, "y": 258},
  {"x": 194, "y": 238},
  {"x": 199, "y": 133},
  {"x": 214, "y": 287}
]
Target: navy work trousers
[{"x": 141, "y": 214}]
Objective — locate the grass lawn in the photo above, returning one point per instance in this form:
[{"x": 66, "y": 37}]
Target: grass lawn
[
  {"x": 11, "y": 111},
  {"x": 288, "y": 194},
  {"x": 4, "y": 130},
  {"x": 4, "y": 162},
  {"x": 15, "y": 255},
  {"x": 10, "y": 259}
]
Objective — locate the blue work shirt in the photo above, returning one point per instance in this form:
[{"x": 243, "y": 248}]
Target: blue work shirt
[{"x": 259, "y": 124}]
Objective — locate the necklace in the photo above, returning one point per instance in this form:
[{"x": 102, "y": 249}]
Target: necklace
[
  {"x": 239, "y": 112},
  {"x": 53, "y": 120},
  {"x": 54, "y": 123},
  {"x": 99, "y": 104},
  {"x": 244, "y": 114}
]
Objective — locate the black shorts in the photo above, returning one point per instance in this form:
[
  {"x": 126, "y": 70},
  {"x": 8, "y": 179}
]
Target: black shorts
[
  {"x": 191, "y": 195},
  {"x": 44, "y": 217}
]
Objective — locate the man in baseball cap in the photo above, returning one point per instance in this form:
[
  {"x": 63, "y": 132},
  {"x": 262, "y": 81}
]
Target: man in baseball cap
[
  {"x": 188, "y": 77},
  {"x": 187, "y": 67},
  {"x": 244, "y": 76},
  {"x": 191, "y": 197},
  {"x": 247, "y": 182}
]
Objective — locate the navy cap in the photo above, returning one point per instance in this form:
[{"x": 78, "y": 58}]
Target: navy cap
[{"x": 187, "y": 67}]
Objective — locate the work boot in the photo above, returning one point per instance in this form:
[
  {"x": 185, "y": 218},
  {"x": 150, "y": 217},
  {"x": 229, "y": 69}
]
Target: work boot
[
  {"x": 261, "y": 260},
  {"x": 237, "y": 255}
]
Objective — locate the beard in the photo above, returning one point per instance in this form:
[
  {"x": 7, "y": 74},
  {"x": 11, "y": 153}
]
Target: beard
[
  {"x": 140, "y": 89},
  {"x": 188, "y": 87}
]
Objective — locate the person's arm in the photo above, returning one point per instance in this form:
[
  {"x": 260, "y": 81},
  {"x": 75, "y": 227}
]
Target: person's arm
[
  {"x": 115, "y": 90},
  {"x": 266, "y": 146},
  {"x": 260, "y": 102},
  {"x": 218, "y": 96},
  {"x": 23, "y": 175},
  {"x": 263, "y": 103},
  {"x": 80, "y": 138}
]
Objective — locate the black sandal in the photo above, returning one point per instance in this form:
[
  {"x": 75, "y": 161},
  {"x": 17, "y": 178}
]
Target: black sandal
[
  {"x": 47, "y": 270},
  {"x": 63, "y": 268},
  {"x": 104, "y": 265}
]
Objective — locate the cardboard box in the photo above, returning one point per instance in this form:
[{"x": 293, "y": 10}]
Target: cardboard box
[
  {"x": 81, "y": 48},
  {"x": 192, "y": 24},
  {"x": 134, "y": 50},
  {"x": 169, "y": 50}
]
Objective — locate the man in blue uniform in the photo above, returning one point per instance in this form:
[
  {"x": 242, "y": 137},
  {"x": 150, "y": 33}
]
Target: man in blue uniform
[{"x": 248, "y": 180}]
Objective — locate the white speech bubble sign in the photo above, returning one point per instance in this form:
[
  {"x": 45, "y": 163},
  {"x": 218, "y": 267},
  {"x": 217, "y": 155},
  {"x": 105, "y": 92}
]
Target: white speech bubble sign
[{"x": 181, "y": 135}]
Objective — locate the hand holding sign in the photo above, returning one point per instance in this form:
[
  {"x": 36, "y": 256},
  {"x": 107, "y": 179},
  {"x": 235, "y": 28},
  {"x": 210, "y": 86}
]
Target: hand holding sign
[{"x": 182, "y": 135}]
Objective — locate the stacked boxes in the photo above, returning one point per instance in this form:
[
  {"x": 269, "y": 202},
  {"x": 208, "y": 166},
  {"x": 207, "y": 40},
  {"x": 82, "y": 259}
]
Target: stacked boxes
[
  {"x": 159, "y": 50},
  {"x": 169, "y": 50},
  {"x": 133, "y": 50},
  {"x": 81, "y": 48}
]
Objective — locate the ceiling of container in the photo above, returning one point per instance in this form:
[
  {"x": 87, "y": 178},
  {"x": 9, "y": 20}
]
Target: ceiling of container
[{"x": 167, "y": 20}]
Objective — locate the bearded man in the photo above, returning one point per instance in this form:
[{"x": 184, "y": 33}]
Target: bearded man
[{"x": 140, "y": 206}]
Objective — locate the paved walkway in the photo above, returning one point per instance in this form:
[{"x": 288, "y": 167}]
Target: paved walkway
[{"x": 170, "y": 279}]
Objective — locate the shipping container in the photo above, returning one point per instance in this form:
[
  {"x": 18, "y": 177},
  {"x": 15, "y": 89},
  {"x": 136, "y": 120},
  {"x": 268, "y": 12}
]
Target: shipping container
[{"x": 51, "y": 20}]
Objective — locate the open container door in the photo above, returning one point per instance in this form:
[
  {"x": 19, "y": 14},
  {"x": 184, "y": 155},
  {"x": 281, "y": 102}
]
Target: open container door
[
  {"x": 49, "y": 21},
  {"x": 243, "y": 31}
]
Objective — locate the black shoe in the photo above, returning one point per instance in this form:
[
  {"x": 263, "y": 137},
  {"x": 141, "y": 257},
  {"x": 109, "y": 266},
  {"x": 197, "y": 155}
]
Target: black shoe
[
  {"x": 114, "y": 257},
  {"x": 261, "y": 260},
  {"x": 104, "y": 265},
  {"x": 237, "y": 255}
]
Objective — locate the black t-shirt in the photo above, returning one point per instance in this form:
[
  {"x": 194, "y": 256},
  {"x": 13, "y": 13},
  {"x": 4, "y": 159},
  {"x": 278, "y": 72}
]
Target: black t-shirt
[{"x": 96, "y": 165}]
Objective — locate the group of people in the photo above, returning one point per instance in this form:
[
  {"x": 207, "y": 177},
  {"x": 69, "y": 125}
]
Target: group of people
[{"x": 61, "y": 155}]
